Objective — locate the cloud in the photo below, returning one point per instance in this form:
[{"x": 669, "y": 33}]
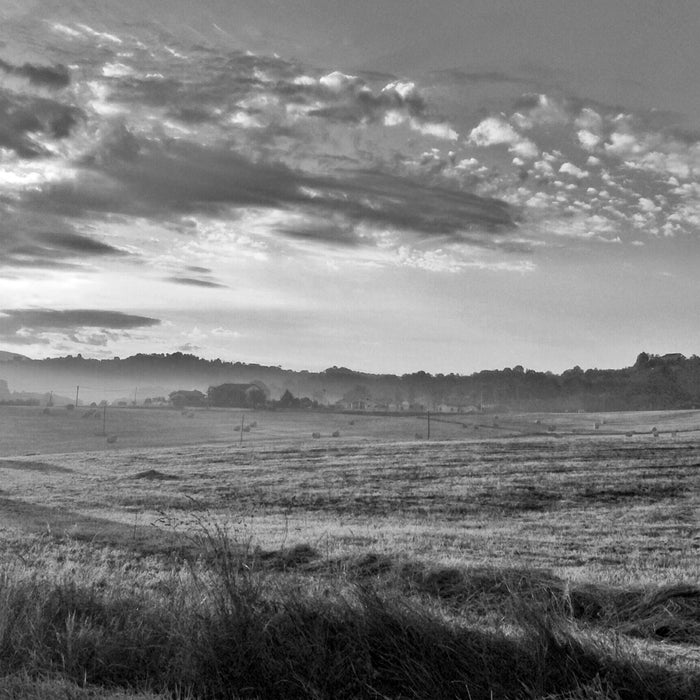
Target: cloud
[
  {"x": 588, "y": 139},
  {"x": 22, "y": 117},
  {"x": 51, "y": 319},
  {"x": 575, "y": 171},
  {"x": 343, "y": 98},
  {"x": 167, "y": 180},
  {"x": 196, "y": 282},
  {"x": 41, "y": 241},
  {"x": 540, "y": 110},
  {"x": 440, "y": 131},
  {"x": 334, "y": 234},
  {"x": 660, "y": 152},
  {"x": 390, "y": 200},
  {"x": 47, "y": 76},
  {"x": 31, "y": 326},
  {"x": 494, "y": 131}
]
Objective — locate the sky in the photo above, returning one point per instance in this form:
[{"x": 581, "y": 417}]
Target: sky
[{"x": 386, "y": 185}]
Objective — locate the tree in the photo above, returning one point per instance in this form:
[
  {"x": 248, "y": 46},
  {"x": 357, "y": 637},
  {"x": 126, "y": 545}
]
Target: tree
[
  {"x": 288, "y": 400},
  {"x": 642, "y": 361}
]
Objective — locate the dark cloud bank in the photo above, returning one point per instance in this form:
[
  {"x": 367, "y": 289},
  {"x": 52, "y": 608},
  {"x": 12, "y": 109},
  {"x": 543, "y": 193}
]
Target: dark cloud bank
[{"x": 67, "y": 321}]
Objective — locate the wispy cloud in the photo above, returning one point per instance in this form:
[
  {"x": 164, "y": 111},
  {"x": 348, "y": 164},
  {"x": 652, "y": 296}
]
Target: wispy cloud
[
  {"x": 196, "y": 282},
  {"x": 46, "y": 242}
]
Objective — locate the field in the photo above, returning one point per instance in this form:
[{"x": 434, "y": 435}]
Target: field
[{"x": 567, "y": 546}]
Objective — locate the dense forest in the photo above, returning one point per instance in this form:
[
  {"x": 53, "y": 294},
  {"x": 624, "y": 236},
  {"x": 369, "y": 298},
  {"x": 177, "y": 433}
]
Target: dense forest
[{"x": 652, "y": 382}]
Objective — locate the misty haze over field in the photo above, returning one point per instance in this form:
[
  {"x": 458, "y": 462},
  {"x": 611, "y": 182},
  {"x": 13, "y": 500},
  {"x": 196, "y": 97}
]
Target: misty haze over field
[{"x": 654, "y": 382}]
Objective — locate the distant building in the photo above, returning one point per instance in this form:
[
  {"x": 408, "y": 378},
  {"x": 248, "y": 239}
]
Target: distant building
[
  {"x": 183, "y": 397},
  {"x": 448, "y": 408},
  {"x": 237, "y": 396},
  {"x": 357, "y": 399},
  {"x": 673, "y": 357}
]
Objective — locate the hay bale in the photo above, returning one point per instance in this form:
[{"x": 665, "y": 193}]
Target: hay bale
[
  {"x": 315, "y": 435},
  {"x": 335, "y": 433},
  {"x": 111, "y": 439}
]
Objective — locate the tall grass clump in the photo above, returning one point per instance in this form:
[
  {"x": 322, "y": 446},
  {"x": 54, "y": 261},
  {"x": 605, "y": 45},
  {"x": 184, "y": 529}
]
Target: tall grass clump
[{"x": 228, "y": 628}]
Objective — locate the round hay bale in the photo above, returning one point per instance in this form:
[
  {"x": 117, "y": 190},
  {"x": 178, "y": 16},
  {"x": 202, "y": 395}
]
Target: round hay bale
[
  {"x": 315, "y": 436},
  {"x": 335, "y": 433}
]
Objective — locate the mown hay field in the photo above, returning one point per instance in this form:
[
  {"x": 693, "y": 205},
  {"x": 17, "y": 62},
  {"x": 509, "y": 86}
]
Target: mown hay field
[{"x": 590, "y": 523}]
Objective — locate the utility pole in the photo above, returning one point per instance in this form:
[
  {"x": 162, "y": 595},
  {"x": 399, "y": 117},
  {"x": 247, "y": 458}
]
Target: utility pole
[
  {"x": 104, "y": 420},
  {"x": 242, "y": 419},
  {"x": 77, "y": 391},
  {"x": 428, "y": 425},
  {"x": 135, "y": 390}
]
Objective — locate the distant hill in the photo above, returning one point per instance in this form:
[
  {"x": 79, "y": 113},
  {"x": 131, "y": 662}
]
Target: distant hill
[
  {"x": 8, "y": 356},
  {"x": 654, "y": 382}
]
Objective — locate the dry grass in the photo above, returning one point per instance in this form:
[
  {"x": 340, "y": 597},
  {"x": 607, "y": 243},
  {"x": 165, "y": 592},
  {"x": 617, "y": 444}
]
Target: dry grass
[
  {"x": 371, "y": 565},
  {"x": 236, "y": 623}
]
